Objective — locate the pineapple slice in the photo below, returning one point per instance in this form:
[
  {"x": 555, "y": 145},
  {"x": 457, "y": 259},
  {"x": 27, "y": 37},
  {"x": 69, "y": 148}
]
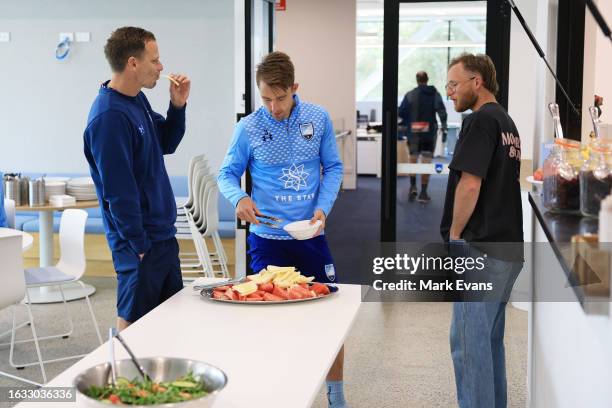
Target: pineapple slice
[
  {"x": 283, "y": 284},
  {"x": 304, "y": 279},
  {"x": 261, "y": 278},
  {"x": 246, "y": 288}
]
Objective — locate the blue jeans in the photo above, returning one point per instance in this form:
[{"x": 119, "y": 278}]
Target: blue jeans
[{"x": 477, "y": 340}]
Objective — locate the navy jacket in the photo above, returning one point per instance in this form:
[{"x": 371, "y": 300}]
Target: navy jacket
[
  {"x": 124, "y": 144},
  {"x": 421, "y": 105}
]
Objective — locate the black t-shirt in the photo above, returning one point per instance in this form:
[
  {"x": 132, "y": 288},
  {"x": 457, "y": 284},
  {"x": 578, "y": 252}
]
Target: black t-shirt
[{"x": 489, "y": 147}]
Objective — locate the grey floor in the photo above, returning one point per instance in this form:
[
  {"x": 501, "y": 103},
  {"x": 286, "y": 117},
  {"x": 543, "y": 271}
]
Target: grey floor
[{"x": 397, "y": 354}]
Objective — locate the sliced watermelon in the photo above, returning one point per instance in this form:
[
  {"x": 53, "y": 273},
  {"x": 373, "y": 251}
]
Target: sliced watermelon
[
  {"x": 320, "y": 288},
  {"x": 269, "y": 297},
  {"x": 220, "y": 295},
  {"x": 304, "y": 293},
  {"x": 231, "y": 294},
  {"x": 253, "y": 298},
  {"x": 266, "y": 287},
  {"x": 282, "y": 293}
]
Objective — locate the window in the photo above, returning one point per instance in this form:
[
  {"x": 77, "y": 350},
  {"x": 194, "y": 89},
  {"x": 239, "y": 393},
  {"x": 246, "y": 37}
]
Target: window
[{"x": 426, "y": 43}]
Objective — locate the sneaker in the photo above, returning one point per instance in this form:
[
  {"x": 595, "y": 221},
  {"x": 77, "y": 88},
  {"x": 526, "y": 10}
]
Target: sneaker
[
  {"x": 423, "y": 197},
  {"x": 412, "y": 194}
]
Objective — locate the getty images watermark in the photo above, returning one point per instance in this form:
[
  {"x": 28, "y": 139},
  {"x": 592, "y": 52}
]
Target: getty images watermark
[{"x": 410, "y": 265}]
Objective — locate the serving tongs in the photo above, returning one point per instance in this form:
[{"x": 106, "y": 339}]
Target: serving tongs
[
  {"x": 565, "y": 169},
  {"x": 554, "y": 111},
  {"x": 275, "y": 221},
  {"x": 112, "y": 334},
  {"x": 595, "y": 119},
  {"x": 602, "y": 171}
]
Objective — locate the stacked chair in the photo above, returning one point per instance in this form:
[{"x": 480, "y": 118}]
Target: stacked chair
[{"x": 198, "y": 219}]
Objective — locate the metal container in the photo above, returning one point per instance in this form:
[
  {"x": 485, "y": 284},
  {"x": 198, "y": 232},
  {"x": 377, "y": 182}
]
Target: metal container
[
  {"x": 37, "y": 192},
  {"x": 24, "y": 189},
  {"x": 12, "y": 190},
  {"x": 42, "y": 197},
  {"x": 160, "y": 369}
]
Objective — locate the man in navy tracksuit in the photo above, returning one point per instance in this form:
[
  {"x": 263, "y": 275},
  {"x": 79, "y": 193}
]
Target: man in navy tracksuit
[{"x": 124, "y": 144}]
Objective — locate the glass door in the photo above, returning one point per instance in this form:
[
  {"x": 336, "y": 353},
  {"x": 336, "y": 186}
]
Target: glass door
[{"x": 420, "y": 39}]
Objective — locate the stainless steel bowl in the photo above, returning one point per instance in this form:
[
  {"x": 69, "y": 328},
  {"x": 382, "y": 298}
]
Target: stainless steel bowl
[{"x": 160, "y": 369}]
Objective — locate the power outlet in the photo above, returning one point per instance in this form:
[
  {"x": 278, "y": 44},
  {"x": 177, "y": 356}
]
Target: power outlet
[
  {"x": 5, "y": 37},
  {"x": 83, "y": 37},
  {"x": 63, "y": 36}
]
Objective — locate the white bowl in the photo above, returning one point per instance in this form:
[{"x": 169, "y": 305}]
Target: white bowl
[
  {"x": 302, "y": 230},
  {"x": 537, "y": 183}
]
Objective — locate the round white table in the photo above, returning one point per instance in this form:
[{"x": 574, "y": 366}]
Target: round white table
[{"x": 51, "y": 294}]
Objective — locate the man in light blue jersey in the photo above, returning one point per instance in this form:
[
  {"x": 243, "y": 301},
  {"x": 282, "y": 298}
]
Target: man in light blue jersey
[{"x": 290, "y": 150}]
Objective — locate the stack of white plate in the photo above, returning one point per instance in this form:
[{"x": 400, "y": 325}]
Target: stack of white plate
[
  {"x": 54, "y": 188},
  {"x": 62, "y": 200},
  {"x": 82, "y": 188}
]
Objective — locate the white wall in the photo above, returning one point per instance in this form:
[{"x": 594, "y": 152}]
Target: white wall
[
  {"x": 45, "y": 102},
  {"x": 319, "y": 36},
  {"x": 522, "y": 83}
]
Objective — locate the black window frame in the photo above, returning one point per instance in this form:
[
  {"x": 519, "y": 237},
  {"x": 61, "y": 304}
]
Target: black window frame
[{"x": 570, "y": 64}]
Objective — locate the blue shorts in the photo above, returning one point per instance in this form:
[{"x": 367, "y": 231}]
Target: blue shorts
[
  {"x": 149, "y": 282},
  {"x": 311, "y": 257}
]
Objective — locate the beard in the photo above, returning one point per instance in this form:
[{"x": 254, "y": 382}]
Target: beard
[{"x": 466, "y": 102}]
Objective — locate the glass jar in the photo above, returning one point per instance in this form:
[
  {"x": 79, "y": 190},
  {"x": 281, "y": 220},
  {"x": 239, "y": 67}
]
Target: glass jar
[
  {"x": 561, "y": 189},
  {"x": 595, "y": 178}
]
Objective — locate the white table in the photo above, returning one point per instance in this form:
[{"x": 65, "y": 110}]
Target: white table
[
  {"x": 369, "y": 152},
  {"x": 273, "y": 355},
  {"x": 51, "y": 294},
  {"x": 27, "y": 239}
]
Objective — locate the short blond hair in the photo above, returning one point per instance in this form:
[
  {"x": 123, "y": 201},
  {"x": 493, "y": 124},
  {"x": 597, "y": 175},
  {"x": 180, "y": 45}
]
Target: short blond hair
[{"x": 480, "y": 64}]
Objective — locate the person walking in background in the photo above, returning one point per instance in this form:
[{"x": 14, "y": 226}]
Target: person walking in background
[
  {"x": 418, "y": 113},
  {"x": 125, "y": 143}
]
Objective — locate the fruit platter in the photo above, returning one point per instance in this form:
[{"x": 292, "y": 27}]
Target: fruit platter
[{"x": 273, "y": 285}]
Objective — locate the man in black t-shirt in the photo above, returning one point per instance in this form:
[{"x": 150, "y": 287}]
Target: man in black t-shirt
[{"x": 482, "y": 218}]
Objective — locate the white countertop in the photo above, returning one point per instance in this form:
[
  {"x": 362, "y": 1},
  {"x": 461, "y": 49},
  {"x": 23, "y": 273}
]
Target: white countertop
[{"x": 273, "y": 355}]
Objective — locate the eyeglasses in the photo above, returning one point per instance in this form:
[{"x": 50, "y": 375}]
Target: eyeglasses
[{"x": 452, "y": 85}]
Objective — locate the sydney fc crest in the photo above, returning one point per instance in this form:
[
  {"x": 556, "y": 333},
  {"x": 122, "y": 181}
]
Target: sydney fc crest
[{"x": 307, "y": 130}]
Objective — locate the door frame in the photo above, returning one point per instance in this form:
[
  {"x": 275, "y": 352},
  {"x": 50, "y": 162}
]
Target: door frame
[
  {"x": 497, "y": 47},
  {"x": 242, "y": 229}
]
